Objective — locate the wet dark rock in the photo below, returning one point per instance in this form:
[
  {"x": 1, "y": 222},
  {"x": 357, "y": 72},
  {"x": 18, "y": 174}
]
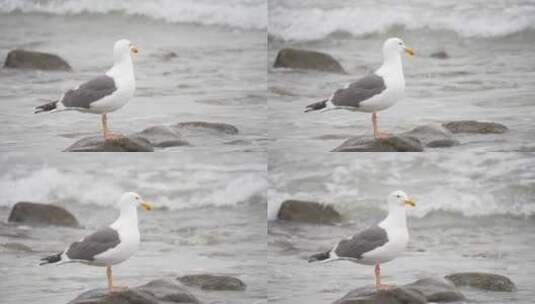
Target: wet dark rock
[
  {"x": 169, "y": 55},
  {"x": 486, "y": 281},
  {"x": 121, "y": 144},
  {"x": 41, "y": 214},
  {"x": 212, "y": 282},
  {"x": 418, "y": 292},
  {"x": 440, "y": 55},
  {"x": 433, "y": 136},
  {"x": 395, "y": 143},
  {"x": 22, "y": 59},
  {"x": 162, "y": 136},
  {"x": 370, "y": 295},
  {"x": 310, "y": 60},
  {"x": 155, "y": 292},
  {"x": 436, "y": 290},
  {"x": 308, "y": 212},
  {"x": 212, "y": 126},
  {"x": 13, "y": 246},
  {"x": 472, "y": 126}
]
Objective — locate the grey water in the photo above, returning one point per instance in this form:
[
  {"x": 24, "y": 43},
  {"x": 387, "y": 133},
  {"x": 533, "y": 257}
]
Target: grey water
[
  {"x": 474, "y": 212},
  {"x": 209, "y": 218},
  {"x": 184, "y": 72},
  {"x": 489, "y": 75}
]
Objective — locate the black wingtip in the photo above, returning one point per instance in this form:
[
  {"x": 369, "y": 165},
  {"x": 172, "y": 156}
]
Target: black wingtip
[{"x": 51, "y": 259}]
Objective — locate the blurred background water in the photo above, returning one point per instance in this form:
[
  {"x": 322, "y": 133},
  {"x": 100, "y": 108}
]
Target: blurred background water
[
  {"x": 489, "y": 74},
  {"x": 474, "y": 212},
  {"x": 210, "y": 217},
  {"x": 199, "y": 60}
]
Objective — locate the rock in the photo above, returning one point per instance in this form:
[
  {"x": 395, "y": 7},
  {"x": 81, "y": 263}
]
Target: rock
[
  {"x": 21, "y": 59},
  {"x": 121, "y": 144},
  {"x": 421, "y": 291},
  {"x": 433, "y": 136},
  {"x": 440, "y": 55},
  {"x": 436, "y": 290},
  {"x": 161, "y": 136},
  {"x": 155, "y": 292},
  {"x": 169, "y": 55},
  {"x": 310, "y": 60},
  {"x": 212, "y": 282},
  {"x": 395, "y": 143},
  {"x": 486, "y": 281},
  {"x": 370, "y": 295},
  {"x": 309, "y": 212},
  {"x": 214, "y": 126},
  {"x": 472, "y": 126},
  {"x": 16, "y": 247},
  {"x": 41, "y": 214}
]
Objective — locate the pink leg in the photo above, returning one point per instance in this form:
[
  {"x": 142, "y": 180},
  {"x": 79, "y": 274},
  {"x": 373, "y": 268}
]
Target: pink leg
[
  {"x": 376, "y": 132},
  {"x": 105, "y": 132},
  {"x": 111, "y": 288},
  {"x": 378, "y": 283}
]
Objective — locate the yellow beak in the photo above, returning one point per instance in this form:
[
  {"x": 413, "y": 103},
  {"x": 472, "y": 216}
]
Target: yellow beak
[
  {"x": 409, "y": 51},
  {"x": 146, "y": 205},
  {"x": 410, "y": 202},
  {"x": 134, "y": 49}
]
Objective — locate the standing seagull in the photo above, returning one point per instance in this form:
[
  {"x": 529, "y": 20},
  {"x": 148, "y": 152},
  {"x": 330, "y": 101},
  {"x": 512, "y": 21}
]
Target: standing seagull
[
  {"x": 110, "y": 245},
  {"x": 378, "y": 244},
  {"x": 374, "y": 92},
  {"x": 102, "y": 94}
]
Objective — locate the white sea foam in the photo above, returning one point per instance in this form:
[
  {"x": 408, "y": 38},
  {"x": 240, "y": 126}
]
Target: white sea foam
[
  {"x": 242, "y": 14},
  {"x": 171, "y": 189},
  {"x": 469, "y": 184},
  {"x": 316, "y": 20}
]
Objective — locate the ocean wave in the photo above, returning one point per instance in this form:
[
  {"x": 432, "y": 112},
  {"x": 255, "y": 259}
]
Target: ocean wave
[
  {"x": 174, "y": 190},
  {"x": 476, "y": 19},
  {"x": 492, "y": 184},
  {"x": 241, "y": 14}
]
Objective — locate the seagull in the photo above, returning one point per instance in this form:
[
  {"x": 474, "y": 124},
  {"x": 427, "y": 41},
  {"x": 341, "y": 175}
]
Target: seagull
[
  {"x": 110, "y": 245},
  {"x": 378, "y": 244},
  {"x": 103, "y": 94},
  {"x": 374, "y": 92}
]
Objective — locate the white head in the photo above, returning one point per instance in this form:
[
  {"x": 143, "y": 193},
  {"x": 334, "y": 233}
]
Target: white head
[
  {"x": 398, "y": 200},
  {"x": 122, "y": 49},
  {"x": 394, "y": 46},
  {"x": 131, "y": 200}
]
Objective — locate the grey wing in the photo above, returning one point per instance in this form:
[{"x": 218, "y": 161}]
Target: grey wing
[
  {"x": 361, "y": 243},
  {"x": 93, "y": 244},
  {"x": 89, "y": 92},
  {"x": 359, "y": 91}
]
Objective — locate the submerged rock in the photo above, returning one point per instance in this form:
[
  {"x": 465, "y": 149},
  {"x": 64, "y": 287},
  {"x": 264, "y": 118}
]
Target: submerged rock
[
  {"x": 472, "y": 126},
  {"x": 481, "y": 280},
  {"x": 433, "y": 136},
  {"x": 440, "y": 55},
  {"x": 310, "y": 60},
  {"x": 418, "y": 292},
  {"x": 212, "y": 126},
  {"x": 395, "y": 143},
  {"x": 22, "y": 59},
  {"x": 308, "y": 212},
  {"x": 155, "y": 292},
  {"x": 212, "y": 282},
  {"x": 41, "y": 214},
  {"x": 121, "y": 144},
  {"x": 162, "y": 136}
]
